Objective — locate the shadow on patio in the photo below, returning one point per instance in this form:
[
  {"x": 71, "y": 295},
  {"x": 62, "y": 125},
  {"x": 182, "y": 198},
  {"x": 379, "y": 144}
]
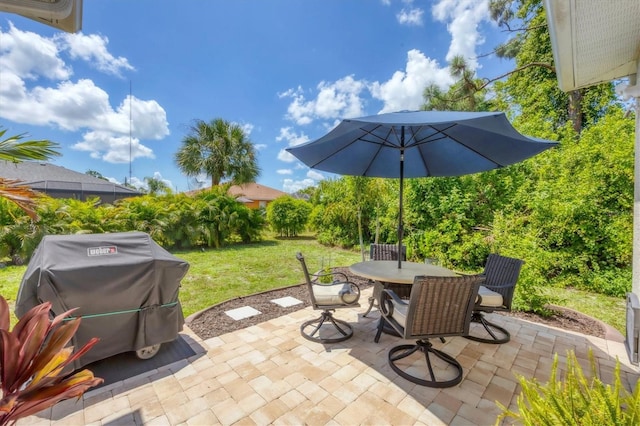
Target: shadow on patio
[{"x": 269, "y": 373}]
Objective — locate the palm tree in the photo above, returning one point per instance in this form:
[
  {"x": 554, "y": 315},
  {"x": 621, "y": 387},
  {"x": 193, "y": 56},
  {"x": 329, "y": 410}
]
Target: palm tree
[
  {"x": 15, "y": 150},
  {"x": 220, "y": 150},
  {"x": 156, "y": 185}
]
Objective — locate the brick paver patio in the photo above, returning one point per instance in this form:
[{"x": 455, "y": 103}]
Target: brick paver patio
[{"x": 270, "y": 374}]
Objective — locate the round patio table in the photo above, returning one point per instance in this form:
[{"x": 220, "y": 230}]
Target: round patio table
[
  {"x": 387, "y": 271},
  {"x": 386, "y": 274}
]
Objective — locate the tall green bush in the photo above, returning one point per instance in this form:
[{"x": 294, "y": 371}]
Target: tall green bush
[
  {"x": 288, "y": 216},
  {"x": 345, "y": 206}
]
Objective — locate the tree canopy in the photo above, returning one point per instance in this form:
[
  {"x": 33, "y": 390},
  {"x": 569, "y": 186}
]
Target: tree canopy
[{"x": 220, "y": 150}]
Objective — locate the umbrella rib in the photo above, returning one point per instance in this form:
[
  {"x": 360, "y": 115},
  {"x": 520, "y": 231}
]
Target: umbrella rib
[
  {"x": 444, "y": 135},
  {"x": 366, "y": 132}
]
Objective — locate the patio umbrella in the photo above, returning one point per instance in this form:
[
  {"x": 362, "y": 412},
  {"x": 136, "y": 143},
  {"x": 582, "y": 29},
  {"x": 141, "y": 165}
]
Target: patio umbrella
[{"x": 419, "y": 144}]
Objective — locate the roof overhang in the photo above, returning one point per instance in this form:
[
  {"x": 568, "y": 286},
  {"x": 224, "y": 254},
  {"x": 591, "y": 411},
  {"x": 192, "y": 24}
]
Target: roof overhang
[
  {"x": 65, "y": 15},
  {"x": 593, "y": 41}
]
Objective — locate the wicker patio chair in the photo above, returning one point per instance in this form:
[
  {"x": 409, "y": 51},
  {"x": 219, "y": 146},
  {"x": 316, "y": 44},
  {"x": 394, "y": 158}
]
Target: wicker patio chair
[
  {"x": 382, "y": 252},
  {"x": 438, "y": 307},
  {"x": 327, "y": 297},
  {"x": 496, "y": 294}
]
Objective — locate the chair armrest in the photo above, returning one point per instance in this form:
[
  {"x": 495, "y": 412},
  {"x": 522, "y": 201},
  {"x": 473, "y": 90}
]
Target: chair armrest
[
  {"x": 341, "y": 283},
  {"x": 394, "y": 296},
  {"x": 341, "y": 277},
  {"x": 350, "y": 297},
  {"x": 387, "y": 298}
]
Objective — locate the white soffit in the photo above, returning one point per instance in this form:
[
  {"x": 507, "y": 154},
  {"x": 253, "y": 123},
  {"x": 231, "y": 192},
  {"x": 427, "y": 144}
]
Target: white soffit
[
  {"x": 593, "y": 40},
  {"x": 65, "y": 15}
]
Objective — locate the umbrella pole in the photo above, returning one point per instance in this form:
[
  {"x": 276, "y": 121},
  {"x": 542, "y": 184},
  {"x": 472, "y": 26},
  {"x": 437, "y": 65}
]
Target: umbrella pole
[{"x": 400, "y": 214}]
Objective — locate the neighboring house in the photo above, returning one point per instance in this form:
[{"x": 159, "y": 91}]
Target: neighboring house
[
  {"x": 58, "y": 182},
  {"x": 254, "y": 195}
]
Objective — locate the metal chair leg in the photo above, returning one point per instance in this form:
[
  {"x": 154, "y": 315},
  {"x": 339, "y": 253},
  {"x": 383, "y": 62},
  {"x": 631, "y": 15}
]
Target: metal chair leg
[
  {"x": 342, "y": 327},
  {"x": 497, "y": 334},
  {"x": 402, "y": 351},
  {"x": 373, "y": 300}
]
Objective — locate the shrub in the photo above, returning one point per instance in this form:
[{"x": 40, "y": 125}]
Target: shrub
[
  {"x": 288, "y": 216},
  {"x": 575, "y": 401}
]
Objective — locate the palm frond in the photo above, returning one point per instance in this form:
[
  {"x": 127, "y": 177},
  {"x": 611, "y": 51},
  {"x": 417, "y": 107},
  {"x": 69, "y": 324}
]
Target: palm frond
[
  {"x": 22, "y": 195},
  {"x": 14, "y": 149}
]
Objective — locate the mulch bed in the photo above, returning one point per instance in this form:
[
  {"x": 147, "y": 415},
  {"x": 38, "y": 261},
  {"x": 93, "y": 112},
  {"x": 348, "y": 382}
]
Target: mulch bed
[{"x": 214, "y": 322}]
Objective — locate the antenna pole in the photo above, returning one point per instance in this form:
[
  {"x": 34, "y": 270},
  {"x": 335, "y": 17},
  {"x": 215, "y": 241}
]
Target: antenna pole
[{"x": 130, "y": 126}]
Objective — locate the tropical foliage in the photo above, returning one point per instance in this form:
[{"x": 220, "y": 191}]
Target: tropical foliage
[
  {"x": 220, "y": 150},
  {"x": 33, "y": 361},
  {"x": 15, "y": 149},
  {"x": 156, "y": 186},
  {"x": 575, "y": 400},
  {"x": 176, "y": 221},
  {"x": 342, "y": 208},
  {"x": 288, "y": 216}
]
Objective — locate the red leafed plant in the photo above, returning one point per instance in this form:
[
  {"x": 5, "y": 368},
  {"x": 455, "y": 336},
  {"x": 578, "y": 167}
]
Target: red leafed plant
[{"x": 32, "y": 359}]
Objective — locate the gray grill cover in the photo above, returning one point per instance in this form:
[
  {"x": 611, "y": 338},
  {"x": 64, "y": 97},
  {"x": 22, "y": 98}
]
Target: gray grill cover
[{"x": 124, "y": 284}]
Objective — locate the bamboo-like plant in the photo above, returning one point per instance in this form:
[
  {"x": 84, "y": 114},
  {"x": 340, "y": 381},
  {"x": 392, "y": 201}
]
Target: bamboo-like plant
[
  {"x": 33, "y": 357},
  {"x": 576, "y": 400}
]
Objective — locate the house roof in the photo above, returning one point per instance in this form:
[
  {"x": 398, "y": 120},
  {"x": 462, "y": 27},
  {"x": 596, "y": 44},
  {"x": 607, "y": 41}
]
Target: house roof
[
  {"x": 593, "y": 41},
  {"x": 256, "y": 192},
  {"x": 46, "y": 176}
]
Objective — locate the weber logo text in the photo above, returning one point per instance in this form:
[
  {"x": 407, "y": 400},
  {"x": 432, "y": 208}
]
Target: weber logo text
[{"x": 102, "y": 251}]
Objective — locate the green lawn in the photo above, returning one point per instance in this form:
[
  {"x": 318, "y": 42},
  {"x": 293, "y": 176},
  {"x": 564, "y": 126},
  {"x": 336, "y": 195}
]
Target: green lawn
[{"x": 239, "y": 270}]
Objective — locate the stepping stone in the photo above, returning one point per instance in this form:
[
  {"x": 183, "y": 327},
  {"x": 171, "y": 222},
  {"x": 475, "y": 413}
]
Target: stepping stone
[
  {"x": 285, "y": 302},
  {"x": 241, "y": 313}
]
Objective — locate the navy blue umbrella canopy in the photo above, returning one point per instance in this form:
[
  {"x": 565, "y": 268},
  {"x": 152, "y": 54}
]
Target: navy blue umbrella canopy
[{"x": 419, "y": 144}]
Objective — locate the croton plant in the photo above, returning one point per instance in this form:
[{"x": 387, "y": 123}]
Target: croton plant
[{"x": 33, "y": 357}]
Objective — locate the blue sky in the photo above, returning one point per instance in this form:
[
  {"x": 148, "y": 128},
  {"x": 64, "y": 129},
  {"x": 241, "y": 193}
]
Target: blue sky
[{"x": 286, "y": 70}]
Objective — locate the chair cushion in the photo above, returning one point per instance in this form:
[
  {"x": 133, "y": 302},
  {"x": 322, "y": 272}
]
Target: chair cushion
[
  {"x": 489, "y": 297},
  {"x": 400, "y": 313},
  {"x": 334, "y": 294}
]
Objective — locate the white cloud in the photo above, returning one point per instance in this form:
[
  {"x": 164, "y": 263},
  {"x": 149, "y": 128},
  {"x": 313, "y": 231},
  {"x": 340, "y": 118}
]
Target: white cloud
[
  {"x": 292, "y": 138},
  {"x": 410, "y": 16},
  {"x": 259, "y": 146},
  {"x": 138, "y": 183},
  {"x": 291, "y": 186},
  {"x": 334, "y": 100},
  {"x": 344, "y": 98},
  {"x": 462, "y": 18},
  {"x": 312, "y": 174},
  {"x": 28, "y": 61},
  {"x": 284, "y": 171},
  {"x": 286, "y": 157},
  {"x": 403, "y": 91},
  {"x": 247, "y": 128},
  {"x": 30, "y": 56},
  {"x": 112, "y": 149},
  {"x": 148, "y": 119},
  {"x": 93, "y": 50}
]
